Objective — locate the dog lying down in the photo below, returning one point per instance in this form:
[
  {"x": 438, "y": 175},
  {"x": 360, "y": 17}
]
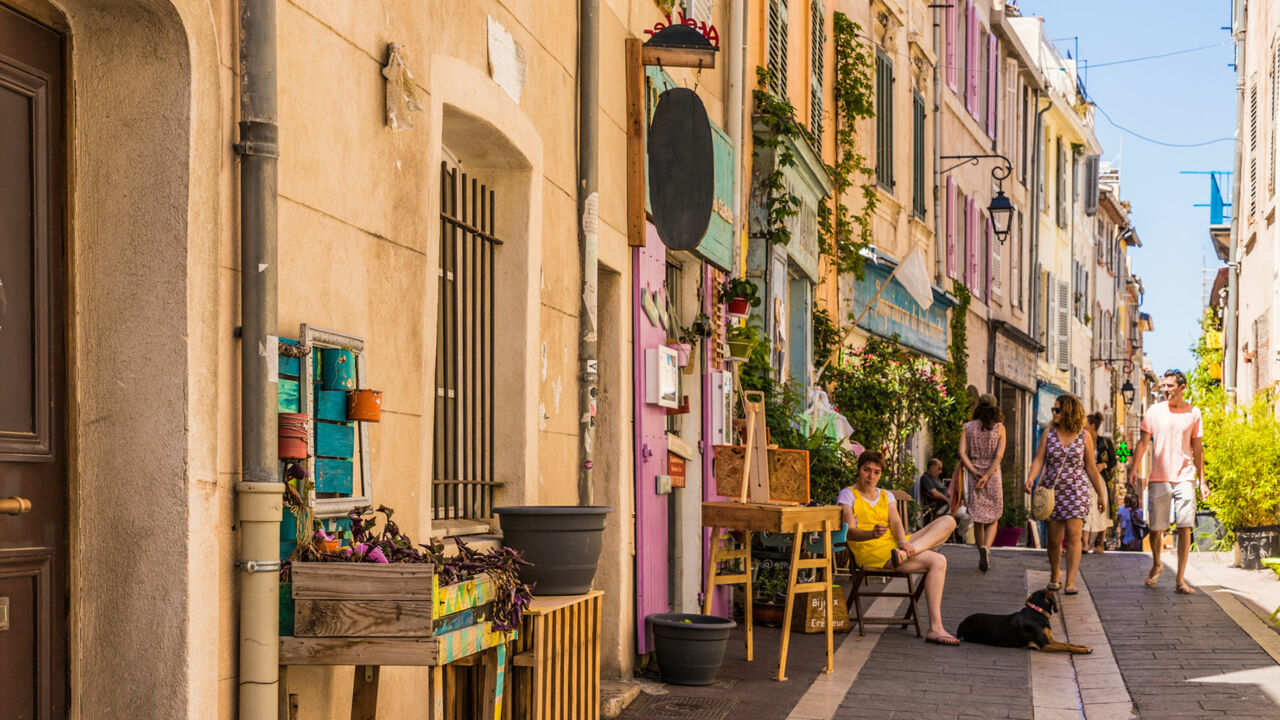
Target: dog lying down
[{"x": 1027, "y": 628}]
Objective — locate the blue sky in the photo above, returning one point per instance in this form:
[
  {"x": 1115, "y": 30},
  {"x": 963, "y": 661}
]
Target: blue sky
[{"x": 1186, "y": 98}]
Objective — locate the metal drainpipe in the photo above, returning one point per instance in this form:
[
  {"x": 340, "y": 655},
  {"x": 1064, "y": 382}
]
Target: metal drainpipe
[
  {"x": 939, "y": 241},
  {"x": 735, "y": 110},
  {"x": 1231, "y": 321},
  {"x": 1035, "y": 215},
  {"x": 588, "y": 240},
  {"x": 259, "y": 500}
]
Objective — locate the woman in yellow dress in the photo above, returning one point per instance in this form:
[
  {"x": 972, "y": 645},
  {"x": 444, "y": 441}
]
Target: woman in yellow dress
[{"x": 877, "y": 539}]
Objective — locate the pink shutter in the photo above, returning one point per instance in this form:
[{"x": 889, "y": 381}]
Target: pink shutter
[
  {"x": 969, "y": 241},
  {"x": 971, "y": 62},
  {"x": 992, "y": 73},
  {"x": 952, "y": 28},
  {"x": 986, "y": 254},
  {"x": 951, "y": 228}
]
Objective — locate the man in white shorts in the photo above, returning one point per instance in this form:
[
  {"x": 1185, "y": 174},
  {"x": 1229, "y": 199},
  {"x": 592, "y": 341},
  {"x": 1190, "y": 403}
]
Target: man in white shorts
[{"x": 1174, "y": 429}]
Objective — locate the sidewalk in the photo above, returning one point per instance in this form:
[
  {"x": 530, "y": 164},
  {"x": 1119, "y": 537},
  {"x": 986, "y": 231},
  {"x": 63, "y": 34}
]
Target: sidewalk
[{"x": 1156, "y": 654}]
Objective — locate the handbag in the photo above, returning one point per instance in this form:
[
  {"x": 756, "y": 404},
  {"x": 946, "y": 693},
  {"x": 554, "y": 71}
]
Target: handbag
[{"x": 1042, "y": 502}]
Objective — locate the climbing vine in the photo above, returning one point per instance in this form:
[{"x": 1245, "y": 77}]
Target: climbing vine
[
  {"x": 946, "y": 431},
  {"x": 775, "y": 121},
  {"x": 843, "y": 233}
]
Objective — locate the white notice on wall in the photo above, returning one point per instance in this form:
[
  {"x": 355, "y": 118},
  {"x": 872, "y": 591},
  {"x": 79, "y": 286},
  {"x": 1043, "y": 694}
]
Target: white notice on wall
[{"x": 506, "y": 60}]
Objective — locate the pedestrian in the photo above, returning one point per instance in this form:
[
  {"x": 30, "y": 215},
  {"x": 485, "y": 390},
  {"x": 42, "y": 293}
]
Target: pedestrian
[
  {"x": 1097, "y": 522},
  {"x": 933, "y": 491},
  {"x": 1174, "y": 429},
  {"x": 877, "y": 539},
  {"x": 981, "y": 450},
  {"x": 1066, "y": 455},
  {"x": 1132, "y": 527}
]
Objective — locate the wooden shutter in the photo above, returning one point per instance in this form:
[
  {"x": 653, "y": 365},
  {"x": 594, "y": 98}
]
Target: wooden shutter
[
  {"x": 884, "y": 120},
  {"x": 997, "y": 263},
  {"x": 918, "y": 200},
  {"x": 1051, "y": 318},
  {"x": 698, "y": 10},
  {"x": 971, "y": 62},
  {"x": 993, "y": 74},
  {"x": 969, "y": 248},
  {"x": 1091, "y": 185},
  {"x": 1064, "y": 325},
  {"x": 778, "y": 47},
  {"x": 1275, "y": 105},
  {"x": 1015, "y": 262},
  {"x": 1253, "y": 150},
  {"x": 951, "y": 228},
  {"x": 953, "y": 28},
  {"x": 817, "y": 55}
]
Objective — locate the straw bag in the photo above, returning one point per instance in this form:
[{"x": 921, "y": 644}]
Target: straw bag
[{"x": 1042, "y": 501}]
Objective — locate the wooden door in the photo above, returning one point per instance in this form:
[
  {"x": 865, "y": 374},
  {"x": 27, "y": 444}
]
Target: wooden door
[{"x": 33, "y": 456}]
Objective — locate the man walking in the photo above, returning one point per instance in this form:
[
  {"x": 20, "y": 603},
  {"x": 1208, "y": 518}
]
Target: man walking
[{"x": 1174, "y": 429}]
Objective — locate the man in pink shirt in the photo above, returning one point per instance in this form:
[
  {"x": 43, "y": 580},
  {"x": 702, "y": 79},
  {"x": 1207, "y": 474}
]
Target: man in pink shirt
[{"x": 1174, "y": 429}]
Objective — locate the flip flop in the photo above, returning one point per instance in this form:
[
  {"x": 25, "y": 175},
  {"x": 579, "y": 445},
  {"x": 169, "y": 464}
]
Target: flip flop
[
  {"x": 894, "y": 562},
  {"x": 1053, "y": 586},
  {"x": 948, "y": 640},
  {"x": 1151, "y": 579},
  {"x": 1185, "y": 590},
  {"x": 1071, "y": 590}
]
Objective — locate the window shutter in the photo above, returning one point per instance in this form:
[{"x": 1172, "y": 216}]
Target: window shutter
[
  {"x": 1064, "y": 325},
  {"x": 918, "y": 199},
  {"x": 951, "y": 228},
  {"x": 817, "y": 56},
  {"x": 778, "y": 47},
  {"x": 1015, "y": 262},
  {"x": 993, "y": 74},
  {"x": 1051, "y": 317},
  {"x": 952, "y": 29},
  {"x": 1275, "y": 105},
  {"x": 1253, "y": 150},
  {"x": 969, "y": 248},
  {"x": 698, "y": 10},
  {"x": 884, "y": 120},
  {"x": 997, "y": 263},
  {"x": 971, "y": 62},
  {"x": 1091, "y": 185}
]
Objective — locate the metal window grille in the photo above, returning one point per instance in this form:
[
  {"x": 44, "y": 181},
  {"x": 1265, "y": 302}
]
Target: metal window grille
[
  {"x": 463, "y": 473},
  {"x": 884, "y": 120},
  {"x": 918, "y": 198}
]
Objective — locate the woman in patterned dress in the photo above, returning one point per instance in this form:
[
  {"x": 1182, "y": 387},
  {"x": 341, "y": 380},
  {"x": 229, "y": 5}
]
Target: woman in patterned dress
[
  {"x": 1066, "y": 455},
  {"x": 981, "y": 450}
]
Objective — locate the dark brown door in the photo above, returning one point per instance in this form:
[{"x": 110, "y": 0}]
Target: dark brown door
[{"x": 33, "y": 376}]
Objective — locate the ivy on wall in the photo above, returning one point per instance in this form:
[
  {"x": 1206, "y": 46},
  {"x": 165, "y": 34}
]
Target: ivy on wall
[
  {"x": 775, "y": 121},
  {"x": 946, "y": 431},
  {"x": 843, "y": 233}
]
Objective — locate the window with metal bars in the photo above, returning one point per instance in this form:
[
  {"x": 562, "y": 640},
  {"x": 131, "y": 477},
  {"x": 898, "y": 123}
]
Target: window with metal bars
[
  {"x": 918, "y": 197},
  {"x": 817, "y": 48},
  {"x": 884, "y": 120},
  {"x": 778, "y": 47},
  {"x": 463, "y": 477}
]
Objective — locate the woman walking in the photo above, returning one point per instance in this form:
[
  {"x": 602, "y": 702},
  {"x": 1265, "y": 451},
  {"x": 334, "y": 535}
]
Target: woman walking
[
  {"x": 1097, "y": 522},
  {"x": 981, "y": 450},
  {"x": 1066, "y": 455}
]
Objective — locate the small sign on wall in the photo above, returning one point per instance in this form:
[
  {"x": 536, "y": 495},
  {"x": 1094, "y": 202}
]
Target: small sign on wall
[
  {"x": 662, "y": 377},
  {"x": 676, "y": 469}
]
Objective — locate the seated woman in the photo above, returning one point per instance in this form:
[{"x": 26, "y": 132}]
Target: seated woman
[{"x": 872, "y": 514}]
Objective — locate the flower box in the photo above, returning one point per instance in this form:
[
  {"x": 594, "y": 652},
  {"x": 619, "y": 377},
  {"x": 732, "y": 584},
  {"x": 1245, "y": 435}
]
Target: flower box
[{"x": 384, "y": 600}]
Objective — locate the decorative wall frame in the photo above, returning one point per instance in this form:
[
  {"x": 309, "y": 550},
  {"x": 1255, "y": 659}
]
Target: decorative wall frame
[{"x": 317, "y": 339}]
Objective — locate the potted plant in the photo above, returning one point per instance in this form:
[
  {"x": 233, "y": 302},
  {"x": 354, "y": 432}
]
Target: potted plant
[
  {"x": 769, "y": 604},
  {"x": 689, "y": 647},
  {"x": 561, "y": 542},
  {"x": 739, "y": 295},
  {"x": 1242, "y": 465},
  {"x": 742, "y": 339},
  {"x": 1014, "y": 517}
]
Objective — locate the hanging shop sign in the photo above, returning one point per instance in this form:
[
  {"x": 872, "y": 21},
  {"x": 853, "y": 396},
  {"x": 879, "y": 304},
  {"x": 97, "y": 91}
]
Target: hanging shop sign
[
  {"x": 897, "y": 313},
  {"x": 681, "y": 168},
  {"x": 662, "y": 32}
]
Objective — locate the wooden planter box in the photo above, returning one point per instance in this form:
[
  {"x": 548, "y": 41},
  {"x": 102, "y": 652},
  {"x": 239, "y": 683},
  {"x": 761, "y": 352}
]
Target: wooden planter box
[{"x": 375, "y": 600}]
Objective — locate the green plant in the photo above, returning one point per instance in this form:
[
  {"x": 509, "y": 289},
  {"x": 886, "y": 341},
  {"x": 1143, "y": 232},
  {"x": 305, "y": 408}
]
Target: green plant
[
  {"x": 771, "y": 581},
  {"x": 775, "y": 122},
  {"x": 887, "y": 392},
  {"x": 854, "y": 96},
  {"x": 1015, "y": 512},
  {"x": 826, "y": 336},
  {"x": 1242, "y": 459},
  {"x": 950, "y": 420},
  {"x": 738, "y": 287}
]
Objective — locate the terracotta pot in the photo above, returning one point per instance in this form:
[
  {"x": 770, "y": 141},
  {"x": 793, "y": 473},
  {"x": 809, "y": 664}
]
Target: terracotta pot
[
  {"x": 328, "y": 546},
  {"x": 738, "y": 306},
  {"x": 364, "y": 405},
  {"x": 293, "y": 430},
  {"x": 769, "y": 614}
]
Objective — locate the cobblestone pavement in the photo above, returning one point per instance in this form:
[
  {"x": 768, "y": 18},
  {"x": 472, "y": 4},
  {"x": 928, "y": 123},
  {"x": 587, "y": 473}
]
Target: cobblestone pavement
[{"x": 1157, "y": 654}]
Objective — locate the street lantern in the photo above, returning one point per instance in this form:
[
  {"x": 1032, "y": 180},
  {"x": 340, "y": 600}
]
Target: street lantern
[
  {"x": 1001, "y": 212},
  {"x": 1127, "y": 392}
]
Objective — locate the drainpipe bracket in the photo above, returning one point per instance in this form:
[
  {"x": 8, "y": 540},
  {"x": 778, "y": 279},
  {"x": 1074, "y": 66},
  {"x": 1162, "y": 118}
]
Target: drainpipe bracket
[
  {"x": 258, "y": 138},
  {"x": 259, "y": 566}
]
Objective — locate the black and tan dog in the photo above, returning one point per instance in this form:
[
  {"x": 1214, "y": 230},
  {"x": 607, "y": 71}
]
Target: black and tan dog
[{"x": 1027, "y": 628}]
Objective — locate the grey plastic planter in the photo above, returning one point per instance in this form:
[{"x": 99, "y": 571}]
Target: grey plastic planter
[
  {"x": 689, "y": 647},
  {"x": 562, "y": 541}
]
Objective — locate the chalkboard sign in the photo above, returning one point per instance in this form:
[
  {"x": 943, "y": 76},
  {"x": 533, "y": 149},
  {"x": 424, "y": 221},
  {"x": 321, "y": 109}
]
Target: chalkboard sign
[
  {"x": 1257, "y": 543},
  {"x": 681, "y": 169}
]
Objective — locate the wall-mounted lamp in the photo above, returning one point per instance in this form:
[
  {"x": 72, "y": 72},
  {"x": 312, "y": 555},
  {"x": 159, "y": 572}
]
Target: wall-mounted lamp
[{"x": 1000, "y": 209}]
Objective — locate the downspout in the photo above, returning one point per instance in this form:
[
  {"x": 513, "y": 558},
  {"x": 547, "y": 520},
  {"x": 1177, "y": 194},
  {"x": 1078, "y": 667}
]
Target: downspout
[
  {"x": 736, "y": 110},
  {"x": 588, "y": 240},
  {"x": 939, "y": 241},
  {"x": 1035, "y": 215},
  {"x": 259, "y": 495},
  {"x": 1231, "y": 321}
]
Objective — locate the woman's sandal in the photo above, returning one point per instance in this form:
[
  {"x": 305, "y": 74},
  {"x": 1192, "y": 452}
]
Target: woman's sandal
[
  {"x": 1185, "y": 590},
  {"x": 1071, "y": 590},
  {"x": 896, "y": 558},
  {"x": 1151, "y": 579},
  {"x": 1053, "y": 586}
]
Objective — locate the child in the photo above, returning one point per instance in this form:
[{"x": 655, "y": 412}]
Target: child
[{"x": 1132, "y": 526}]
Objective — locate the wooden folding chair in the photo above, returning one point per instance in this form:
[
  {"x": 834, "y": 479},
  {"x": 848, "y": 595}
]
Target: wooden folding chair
[{"x": 859, "y": 578}]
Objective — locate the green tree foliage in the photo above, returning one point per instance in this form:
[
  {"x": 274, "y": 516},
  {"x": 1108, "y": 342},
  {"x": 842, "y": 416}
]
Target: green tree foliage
[
  {"x": 774, "y": 121},
  {"x": 947, "y": 428}
]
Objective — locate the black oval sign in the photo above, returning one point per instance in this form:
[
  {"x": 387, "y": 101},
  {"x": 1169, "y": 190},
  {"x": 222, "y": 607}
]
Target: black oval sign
[{"x": 682, "y": 171}]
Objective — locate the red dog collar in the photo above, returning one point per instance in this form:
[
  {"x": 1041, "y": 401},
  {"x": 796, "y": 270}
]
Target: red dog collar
[{"x": 1038, "y": 609}]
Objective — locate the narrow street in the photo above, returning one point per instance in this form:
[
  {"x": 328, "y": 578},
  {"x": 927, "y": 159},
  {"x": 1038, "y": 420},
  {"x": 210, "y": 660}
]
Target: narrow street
[{"x": 1156, "y": 654}]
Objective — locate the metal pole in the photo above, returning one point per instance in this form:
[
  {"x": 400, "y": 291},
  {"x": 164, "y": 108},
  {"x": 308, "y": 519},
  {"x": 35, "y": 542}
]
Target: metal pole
[
  {"x": 1035, "y": 215},
  {"x": 588, "y": 204},
  {"x": 1231, "y": 321},
  {"x": 260, "y": 492},
  {"x": 939, "y": 241},
  {"x": 735, "y": 109}
]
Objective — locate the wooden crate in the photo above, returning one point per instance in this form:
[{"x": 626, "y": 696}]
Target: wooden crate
[
  {"x": 557, "y": 659},
  {"x": 368, "y": 600}
]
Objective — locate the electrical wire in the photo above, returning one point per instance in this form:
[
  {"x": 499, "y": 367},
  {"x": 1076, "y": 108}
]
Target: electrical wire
[
  {"x": 1093, "y": 66},
  {"x": 1140, "y": 136}
]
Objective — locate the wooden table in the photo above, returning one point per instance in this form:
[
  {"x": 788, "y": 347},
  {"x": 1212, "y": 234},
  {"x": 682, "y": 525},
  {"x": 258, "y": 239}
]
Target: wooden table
[
  {"x": 557, "y": 659},
  {"x": 797, "y": 520},
  {"x": 368, "y": 654}
]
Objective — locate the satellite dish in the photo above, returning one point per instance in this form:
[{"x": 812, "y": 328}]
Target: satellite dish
[{"x": 682, "y": 173}]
